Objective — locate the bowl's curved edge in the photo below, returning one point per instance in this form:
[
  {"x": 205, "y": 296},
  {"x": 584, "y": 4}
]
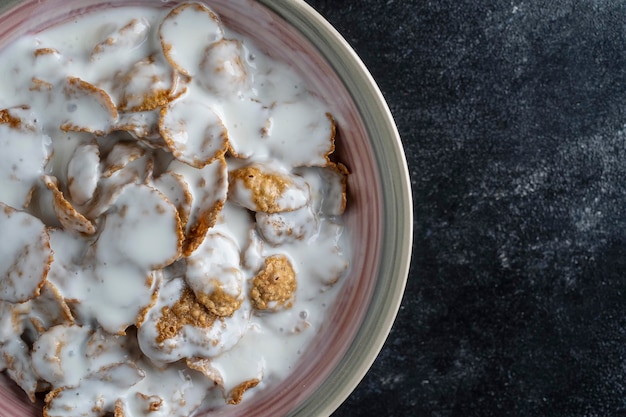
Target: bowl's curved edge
[{"x": 396, "y": 187}]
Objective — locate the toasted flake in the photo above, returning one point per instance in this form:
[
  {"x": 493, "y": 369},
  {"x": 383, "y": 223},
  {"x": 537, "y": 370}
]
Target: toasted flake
[
  {"x": 25, "y": 253},
  {"x": 57, "y": 354},
  {"x": 22, "y": 143},
  {"x": 116, "y": 293},
  {"x": 208, "y": 187},
  {"x": 143, "y": 229},
  {"x": 236, "y": 394},
  {"x": 45, "y": 51},
  {"x": 274, "y": 286},
  {"x": 147, "y": 86},
  {"x": 120, "y": 156},
  {"x": 182, "y": 43},
  {"x": 178, "y": 327},
  {"x": 88, "y": 108},
  {"x": 206, "y": 368},
  {"x": 261, "y": 188},
  {"x": 213, "y": 273},
  {"x": 193, "y": 132},
  {"x": 301, "y": 134},
  {"x": 127, "y": 37},
  {"x": 247, "y": 137},
  {"x": 83, "y": 172},
  {"x": 222, "y": 69},
  {"x": 137, "y": 171},
  {"x": 40, "y": 85},
  {"x": 287, "y": 227},
  {"x": 68, "y": 216},
  {"x": 176, "y": 190}
]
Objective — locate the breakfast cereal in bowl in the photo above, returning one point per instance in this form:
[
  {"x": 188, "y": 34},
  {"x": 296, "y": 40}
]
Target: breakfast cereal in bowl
[{"x": 181, "y": 233}]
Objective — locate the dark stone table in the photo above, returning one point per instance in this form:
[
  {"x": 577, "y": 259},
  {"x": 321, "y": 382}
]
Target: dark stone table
[{"x": 513, "y": 118}]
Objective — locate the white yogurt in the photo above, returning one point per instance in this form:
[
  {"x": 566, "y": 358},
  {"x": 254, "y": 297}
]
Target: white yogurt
[{"x": 118, "y": 136}]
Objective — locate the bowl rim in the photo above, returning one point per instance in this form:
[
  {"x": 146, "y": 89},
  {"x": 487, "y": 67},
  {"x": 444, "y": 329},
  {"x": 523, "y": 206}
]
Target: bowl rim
[{"x": 397, "y": 203}]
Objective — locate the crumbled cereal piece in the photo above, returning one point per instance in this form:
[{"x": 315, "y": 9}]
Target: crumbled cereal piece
[
  {"x": 68, "y": 216},
  {"x": 128, "y": 36},
  {"x": 25, "y": 146},
  {"x": 214, "y": 275},
  {"x": 186, "y": 311},
  {"x": 88, "y": 109},
  {"x": 45, "y": 52},
  {"x": 236, "y": 394},
  {"x": 274, "y": 286},
  {"x": 105, "y": 386},
  {"x": 26, "y": 255},
  {"x": 287, "y": 227},
  {"x": 209, "y": 188},
  {"x": 193, "y": 132},
  {"x": 178, "y": 327},
  {"x": 83, "y": 172},
  {"x": 40, "y": 85},
  {"x": 222, "y": 69},
  {"x": 181, "y": 25},
  {"x": 261, "y": 188}
]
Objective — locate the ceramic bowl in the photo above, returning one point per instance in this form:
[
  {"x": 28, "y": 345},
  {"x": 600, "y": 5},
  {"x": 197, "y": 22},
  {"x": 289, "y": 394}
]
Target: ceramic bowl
[{"x": 379, "y": 212}]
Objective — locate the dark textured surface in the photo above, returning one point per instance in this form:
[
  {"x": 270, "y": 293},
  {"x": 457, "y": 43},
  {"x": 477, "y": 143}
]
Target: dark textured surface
[{"x": 513, "y": 117}]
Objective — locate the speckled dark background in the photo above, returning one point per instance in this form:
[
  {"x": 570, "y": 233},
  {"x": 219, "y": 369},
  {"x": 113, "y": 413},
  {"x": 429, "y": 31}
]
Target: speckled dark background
[{"x": 513, "y": 118}]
